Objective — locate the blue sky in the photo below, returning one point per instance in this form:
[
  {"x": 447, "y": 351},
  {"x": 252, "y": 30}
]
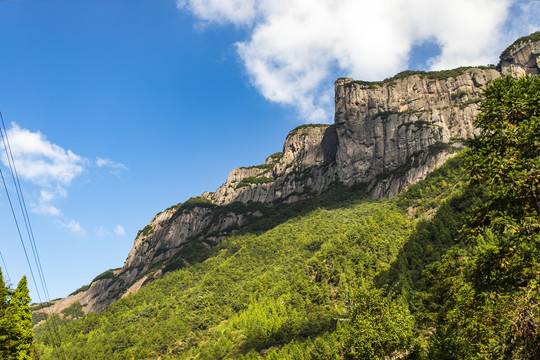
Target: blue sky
[{"x": 119, "y": 109}]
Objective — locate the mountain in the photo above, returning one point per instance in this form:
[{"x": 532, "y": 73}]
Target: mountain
[
  {"x": 385, "y": 137},
  {"x": 259, "y": 291},
  {"x": 446, "y": 269}
]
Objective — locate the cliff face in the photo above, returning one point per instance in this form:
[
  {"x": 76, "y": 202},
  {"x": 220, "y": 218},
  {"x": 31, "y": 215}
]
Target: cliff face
[
  {"x": 300, "y": 171},
  {"x": 386, "y": 135},
  {"x": 522, "y": 57},
  {"x": 392, "y": 134},
  {"x": 160, "y": 240}
]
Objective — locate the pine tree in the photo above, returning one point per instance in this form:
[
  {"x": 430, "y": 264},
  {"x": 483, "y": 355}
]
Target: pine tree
[{"x": 16, "y": 335}]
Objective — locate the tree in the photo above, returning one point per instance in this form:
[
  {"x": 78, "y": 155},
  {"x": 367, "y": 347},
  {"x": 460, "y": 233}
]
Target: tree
[
  {"x": 483, "y": 298},
  {"x": 494, "y": 298},
  {"x": 505, "y": 156},
  {"x": 15, "y": 322}
]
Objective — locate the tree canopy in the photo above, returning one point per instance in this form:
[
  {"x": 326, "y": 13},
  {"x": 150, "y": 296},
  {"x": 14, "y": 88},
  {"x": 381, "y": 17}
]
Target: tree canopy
[
  {"x": 505, "y": 156},
  {"x": 482, "y": 299}
]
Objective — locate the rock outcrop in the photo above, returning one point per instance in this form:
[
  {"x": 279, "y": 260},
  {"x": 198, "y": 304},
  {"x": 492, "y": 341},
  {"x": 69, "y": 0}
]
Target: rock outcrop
[
  {"x": 522, "y": 57},
  {"x": 386, "y": 135},
  {"x": 161, "y": 240}
]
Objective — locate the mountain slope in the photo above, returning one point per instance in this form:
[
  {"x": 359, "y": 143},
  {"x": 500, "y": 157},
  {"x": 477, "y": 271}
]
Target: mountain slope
[
  {"x": 386, "y": 136},
  {"x": 280, "y": 290},
  {"x": 444, "y": 270}
]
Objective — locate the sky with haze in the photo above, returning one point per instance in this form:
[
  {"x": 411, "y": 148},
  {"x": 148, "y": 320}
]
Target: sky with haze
[{"x": 116, "y": 109}]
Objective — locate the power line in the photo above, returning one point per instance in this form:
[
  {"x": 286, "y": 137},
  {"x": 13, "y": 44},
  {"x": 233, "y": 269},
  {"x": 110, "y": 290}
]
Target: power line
[
  {"x": 24, "y": 210},
  {"x": 5, "y": 267},
  {"x": 3, "y": 132},
  {"x": 20, "y": 235},
  {"x": 31, "y": 239}
]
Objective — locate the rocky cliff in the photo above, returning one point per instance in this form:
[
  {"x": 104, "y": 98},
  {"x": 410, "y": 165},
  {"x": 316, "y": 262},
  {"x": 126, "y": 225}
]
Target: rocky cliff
[
  {"x": 386, "y": 135},
  {"x": 522, "y": 57}
]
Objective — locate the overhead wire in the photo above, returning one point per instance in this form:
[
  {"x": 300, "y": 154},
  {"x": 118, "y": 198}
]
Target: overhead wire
[
  {"x": 20, "y": 235},
  {"x": 5, "y": 268},
  {"x": 54, "y": 331},
  {"x": 55, "y": 336},
  {"x": 24, "y": 210},
  {"x": 24, "y": 248}
]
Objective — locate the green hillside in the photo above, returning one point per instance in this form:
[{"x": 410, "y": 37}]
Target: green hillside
[
  {"x": 449, "y": 269},
  {"x": 278, "y": 292}
]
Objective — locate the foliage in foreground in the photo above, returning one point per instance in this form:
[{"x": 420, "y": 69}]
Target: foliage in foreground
[
  {"x": 488, "y": 291},
  {"x": 15, "y": 322}
]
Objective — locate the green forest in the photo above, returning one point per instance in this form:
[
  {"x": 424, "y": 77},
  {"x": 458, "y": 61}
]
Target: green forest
[{"x": 449, "y": 269}]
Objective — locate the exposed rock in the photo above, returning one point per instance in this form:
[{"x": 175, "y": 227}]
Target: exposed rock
[
  {"x": 57, "y": 306},
  {"x": 103, "y": 292},
  {"x": 160, "y": 240},
  {"x": 522, "y": 57},
  {"x": 378, "y": 128},
  {"x": 135, "y": 287},
  {"x": 384, "y": 127}
]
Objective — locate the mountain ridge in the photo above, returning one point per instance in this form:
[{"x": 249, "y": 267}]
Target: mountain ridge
[{"x": 386, "y": 136}]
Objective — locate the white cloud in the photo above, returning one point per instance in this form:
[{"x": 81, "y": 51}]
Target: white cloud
[
  {"x": 102, "y": 232},
  {"x": 219, "y": 11},
  {"x": 525, "y": 19},
  {"x": 46, "y": 209},
  {"x": 46, "y": 196},
  {"x": 295, "y": 48},
  {"x": 41, "y": 162},
  {"x": 110, "y": 163},
  {"x": 44, "y": 164},
  {"x": 73, "y": 226},
  {"x": 51, "y": 169},
  {"x": 119, "y": 230},
  {"x": 43, "y": 205}
]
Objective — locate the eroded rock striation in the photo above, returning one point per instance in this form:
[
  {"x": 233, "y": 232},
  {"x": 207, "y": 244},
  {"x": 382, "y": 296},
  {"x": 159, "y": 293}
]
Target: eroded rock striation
[
  {"x": 522, "y": 57},
  {"x": 386, "y": 135}
]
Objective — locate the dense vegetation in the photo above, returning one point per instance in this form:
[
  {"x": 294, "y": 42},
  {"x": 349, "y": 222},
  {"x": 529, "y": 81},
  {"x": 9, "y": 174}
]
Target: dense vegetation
[
  {"x": 255, "y": 180},
  {"x": 431, "y": 75},
  {"x": 447, "y": 270},
  {"x": 285, "y": 292}
]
